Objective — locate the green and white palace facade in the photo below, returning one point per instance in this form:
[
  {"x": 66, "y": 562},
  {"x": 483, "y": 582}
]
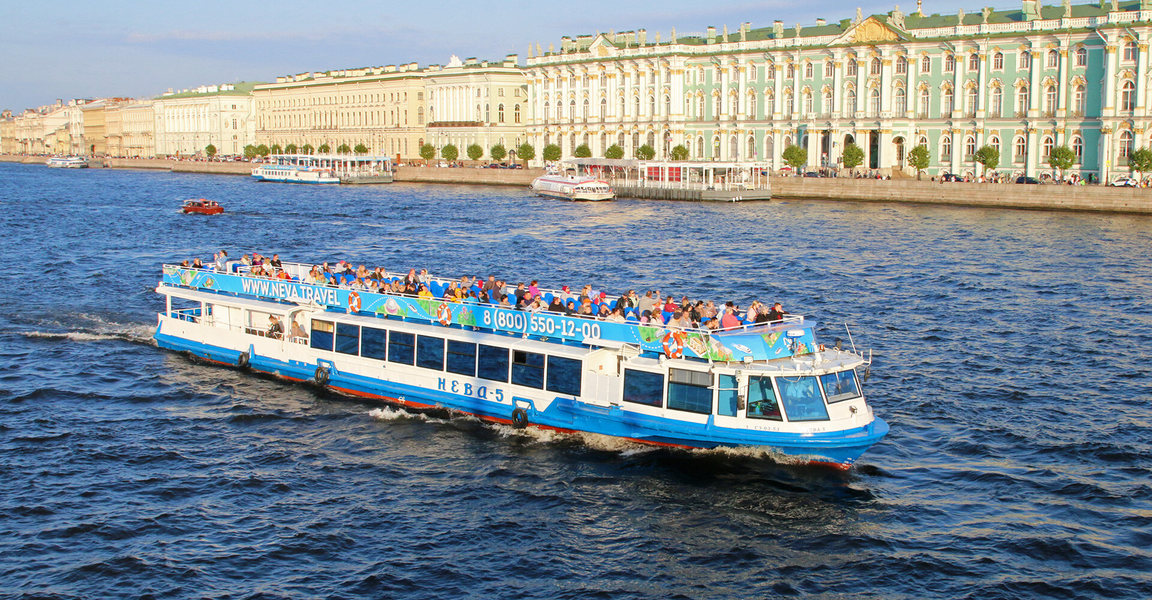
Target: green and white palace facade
[{"x": 1023, "y": 81}]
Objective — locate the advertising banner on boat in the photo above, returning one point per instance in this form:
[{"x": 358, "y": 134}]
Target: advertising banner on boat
[{"x": 766, "y": 343}]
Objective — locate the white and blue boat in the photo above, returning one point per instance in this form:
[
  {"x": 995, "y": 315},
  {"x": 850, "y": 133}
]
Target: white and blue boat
[{"x": 769, "y": 387}]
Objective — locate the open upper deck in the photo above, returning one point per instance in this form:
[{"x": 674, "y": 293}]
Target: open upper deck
[{"x": 792, "y": 336}]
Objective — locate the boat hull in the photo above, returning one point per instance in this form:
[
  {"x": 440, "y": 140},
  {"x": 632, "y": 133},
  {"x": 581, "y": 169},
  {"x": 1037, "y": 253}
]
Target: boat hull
[{"x": 838, "y": 450}]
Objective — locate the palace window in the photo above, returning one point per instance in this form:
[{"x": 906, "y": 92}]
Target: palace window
[
  {"x": 516, "y": 113},
  {"x": 1128, "y": 96},
  {"x": 851, "y": 67},
  {"x": 948, "y": 103},
  {"x": 808, "y": 70},
  {"x": 828, "y": 68},
  {"x": 901, "y": 65},
  {"x": 1129, "y": 51},
  {"x": 500, "y": 113},
  {"x": 1053, "y": 59},
  {"x": 585, "y": 111},
  {"x": 1079, "y": 101},
  {"x": 807, "y": 106},
  {"x": 1022, "y": 101},
  {"x": 1125, "y": 143},
  {"x": 1024, "y": 60},
  {"x": 995, "y": 143},
  {"x": 974, "y": 63},
  {"x": 969, "y": 147},
  {"x": 874, "y": 103},
  {"x": 875, "y": 68},
  {"x": 945, "y": 148},
  {"x": 827, "y": 101},
  {"x": 925, "y": 65},
  {"x": 850, "y": 102},
  {"x": 997, "y": 109},
  {"x": 1078, "y": 149},
  {"x": 791, "y": 71},
  {"x": 752, "y": 114},
  {"x": 998, "y": 61},
  {"x": 700, "y": 107},
  {"x": 1050, "y": 101},
  {"x": 1020, "y": 150},
  {"x": 925, "y": 103},
  {"x": 901, "y": 102},
  {"x": 1046, "y": 148},
  {"x": 949, "y": 63},
  {"x": 1081, "y": 57}
]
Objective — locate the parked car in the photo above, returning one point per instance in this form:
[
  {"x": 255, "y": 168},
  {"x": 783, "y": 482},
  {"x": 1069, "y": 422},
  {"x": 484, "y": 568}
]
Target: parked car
[
  {"x": 1028, "y": 180},
  {"x": 811, "y": 174},
  {"x": 1124, "y": 182}
]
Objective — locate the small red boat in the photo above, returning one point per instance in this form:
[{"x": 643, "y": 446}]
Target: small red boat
[{"x": 203, "y": 207}]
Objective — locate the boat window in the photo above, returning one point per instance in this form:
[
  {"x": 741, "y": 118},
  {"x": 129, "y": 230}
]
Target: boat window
[
  {"x": 322, "y": 334},
  {"x": 690, "y": 391},
  {"x": 762, "y": 403},
  {"x": 563, "y": 375},
  {"x": 841, "y": 386},
  {"x": 727, "y": 395},
  {"x": 462, "y": 358},
  {"x": 373, "y": 343},
  {"x": 642, "y": 387},
  {"x": 801, "y": 398},
  {"x": 492, "y": 363},
  {"x": 528, "y": 369},
  {"x": 430, "y": 352},
  {"x": 401, "y": 347},
  {"x": 347, "y": 338}
]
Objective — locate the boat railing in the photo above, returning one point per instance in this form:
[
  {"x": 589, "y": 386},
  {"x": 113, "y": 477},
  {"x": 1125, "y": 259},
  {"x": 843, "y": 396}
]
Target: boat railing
[{"x": 669, "y": 339}]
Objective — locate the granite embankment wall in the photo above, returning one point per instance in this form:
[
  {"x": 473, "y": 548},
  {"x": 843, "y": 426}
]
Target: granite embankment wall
[
  {"x": 1094, "y": 198},
  {"x": 467, "y": 176}
]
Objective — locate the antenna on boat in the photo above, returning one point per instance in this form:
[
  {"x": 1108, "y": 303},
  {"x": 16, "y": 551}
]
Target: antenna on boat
[{"x": 850, "y": 340}]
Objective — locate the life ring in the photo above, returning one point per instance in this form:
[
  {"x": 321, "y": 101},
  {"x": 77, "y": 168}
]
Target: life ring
[
  {"x": 519, "y": 418},
  {"x": 321, "y": 375},
  {"x": 444, "y": 314},
  {"x": 353, "y": 302},
  {"x": 674, "y": 344},
  {"x": 243, "y": 360}
]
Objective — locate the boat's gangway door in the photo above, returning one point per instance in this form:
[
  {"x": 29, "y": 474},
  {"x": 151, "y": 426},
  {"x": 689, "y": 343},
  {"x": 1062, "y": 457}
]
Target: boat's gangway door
[{"x": 602, "y": 380}]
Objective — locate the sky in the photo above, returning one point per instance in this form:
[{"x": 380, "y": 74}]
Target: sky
[{"x": 69, "y": 49}]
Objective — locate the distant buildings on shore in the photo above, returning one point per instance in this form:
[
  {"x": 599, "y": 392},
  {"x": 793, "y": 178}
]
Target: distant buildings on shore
[{"x": 1021, "y": 81}]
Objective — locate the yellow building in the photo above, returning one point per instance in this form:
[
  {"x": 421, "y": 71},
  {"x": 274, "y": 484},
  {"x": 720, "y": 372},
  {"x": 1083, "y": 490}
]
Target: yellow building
[
  {"x": 95, "y": 129},
  {"x": 382, "y": 108}
]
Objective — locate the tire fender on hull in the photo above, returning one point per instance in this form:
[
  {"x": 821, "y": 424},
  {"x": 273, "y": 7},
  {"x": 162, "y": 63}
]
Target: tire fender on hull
[
  {"x": 321, "y": 376},
  {"x": 243, "y": 360},
  {"x": 519, "y": 418}
]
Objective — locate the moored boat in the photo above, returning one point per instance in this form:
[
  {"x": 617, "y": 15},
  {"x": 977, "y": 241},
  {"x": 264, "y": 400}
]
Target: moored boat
[
  {"x": 67, "y": 162},
  {"x": 770, "y": 387},
  {"x": 294, "y": 174},
  {"x": 202, "y": 206},
  {"x": 573, "y": 187}
]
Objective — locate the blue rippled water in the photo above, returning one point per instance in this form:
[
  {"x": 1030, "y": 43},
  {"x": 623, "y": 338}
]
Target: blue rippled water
[{"x": 1012, "y": 361}]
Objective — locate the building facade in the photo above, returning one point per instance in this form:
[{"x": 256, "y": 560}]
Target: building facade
[
  {"x": 472, "y": 102},
  {"x": 186, "y": 123},
  {"x": 383, "y": 108},
  {"x": 1023, "y": 82}
]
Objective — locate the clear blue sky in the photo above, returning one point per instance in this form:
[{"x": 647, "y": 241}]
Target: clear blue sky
[{"x": 95, "y": 48}]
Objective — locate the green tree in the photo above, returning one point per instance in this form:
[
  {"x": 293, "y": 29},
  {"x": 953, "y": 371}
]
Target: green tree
[
  {"x": 307, "y": 149},
  {"x": 918, "y": 157},
  {"x": 276, "y": 149},
  {"x": 614, "y": 151},
  {"x": 427, "y": 151},
  {"x": 498, "y": 152},
  {"x": 1061, "y": 159},
  {"x": 210, "y": 150},
  {"x": 450, "y": 152},
  {"x": 680, "y": 153},
  {"x": 343, "y": 149},
  {"x": 583, "y": 151},
  {"x": 250, "y": 152},
  {"x": 263, "y": 150},
  {"x": 474, "y": 151},
  {"x": 797, "y": 157},
  {"x": 1139, "y": 160},
  {"x": 361, "y": 149},
  {"x": 290, "y": 149},
  {"x": 989, "y": 157},
  {"x": 324, "y": 148},
  {"x": 526, "y": 152},
  {"x": 551, "y": 152},
  {"x": 853, "y": 156},
  {"x": 645, "y": 152}
]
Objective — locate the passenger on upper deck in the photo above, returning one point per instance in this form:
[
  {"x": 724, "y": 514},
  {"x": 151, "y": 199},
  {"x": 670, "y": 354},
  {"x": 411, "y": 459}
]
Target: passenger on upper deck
[
  {"x": 197, "y": 263},
  {"x": 298, "y": 331},
  {"x": 557, "y": 305},
  {"x": 729, "y": 320},
  {"x": 532, "y": 289},
  {"x": 777, "y": 313},
  {"x": 490, "y": 285},
  {"x": 222, "y": 261},
  {"x": 424, "y": 292},
  {"x": 275, "y": 328},
  {"x": 275, "y": 262}
]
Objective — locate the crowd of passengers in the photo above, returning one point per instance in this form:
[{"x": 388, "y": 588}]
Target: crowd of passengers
[{"x": 590, "y": 303}]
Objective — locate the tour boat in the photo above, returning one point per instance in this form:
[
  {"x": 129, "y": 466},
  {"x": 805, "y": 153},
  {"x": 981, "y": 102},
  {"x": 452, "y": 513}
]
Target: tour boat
[
  {"x": 67, "y": 162},
  {"x": 769, "y": 387},
  {"x": 573, "y": 187},
  {"x": 202, "y": 206},
  {"x": 294, "y": 174}
]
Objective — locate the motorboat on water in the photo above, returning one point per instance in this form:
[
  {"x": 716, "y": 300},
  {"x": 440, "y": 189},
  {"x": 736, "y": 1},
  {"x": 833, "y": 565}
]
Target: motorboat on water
[
  {"x": 770, "y": 387},
  {"x": 573, "y": 187},
  {"x": 202, "y": 207},
  {"x": 67, "y": 162}
]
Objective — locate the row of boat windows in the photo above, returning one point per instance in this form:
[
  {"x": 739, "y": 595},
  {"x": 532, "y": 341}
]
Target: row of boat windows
[
  {"x": 800, "y": 398},
  {"x": 771, "y": 398},
  {"x": 528, "y": 369}
]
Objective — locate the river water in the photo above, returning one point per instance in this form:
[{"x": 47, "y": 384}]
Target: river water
[{"x": 1011, "y": 360}]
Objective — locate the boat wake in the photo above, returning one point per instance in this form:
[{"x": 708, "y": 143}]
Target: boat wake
[{"x": 95, "y": 329}]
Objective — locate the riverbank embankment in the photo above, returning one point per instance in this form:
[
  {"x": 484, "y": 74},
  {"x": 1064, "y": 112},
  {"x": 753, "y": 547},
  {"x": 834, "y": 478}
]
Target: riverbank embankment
[{"x": 1090, "y": 198}]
